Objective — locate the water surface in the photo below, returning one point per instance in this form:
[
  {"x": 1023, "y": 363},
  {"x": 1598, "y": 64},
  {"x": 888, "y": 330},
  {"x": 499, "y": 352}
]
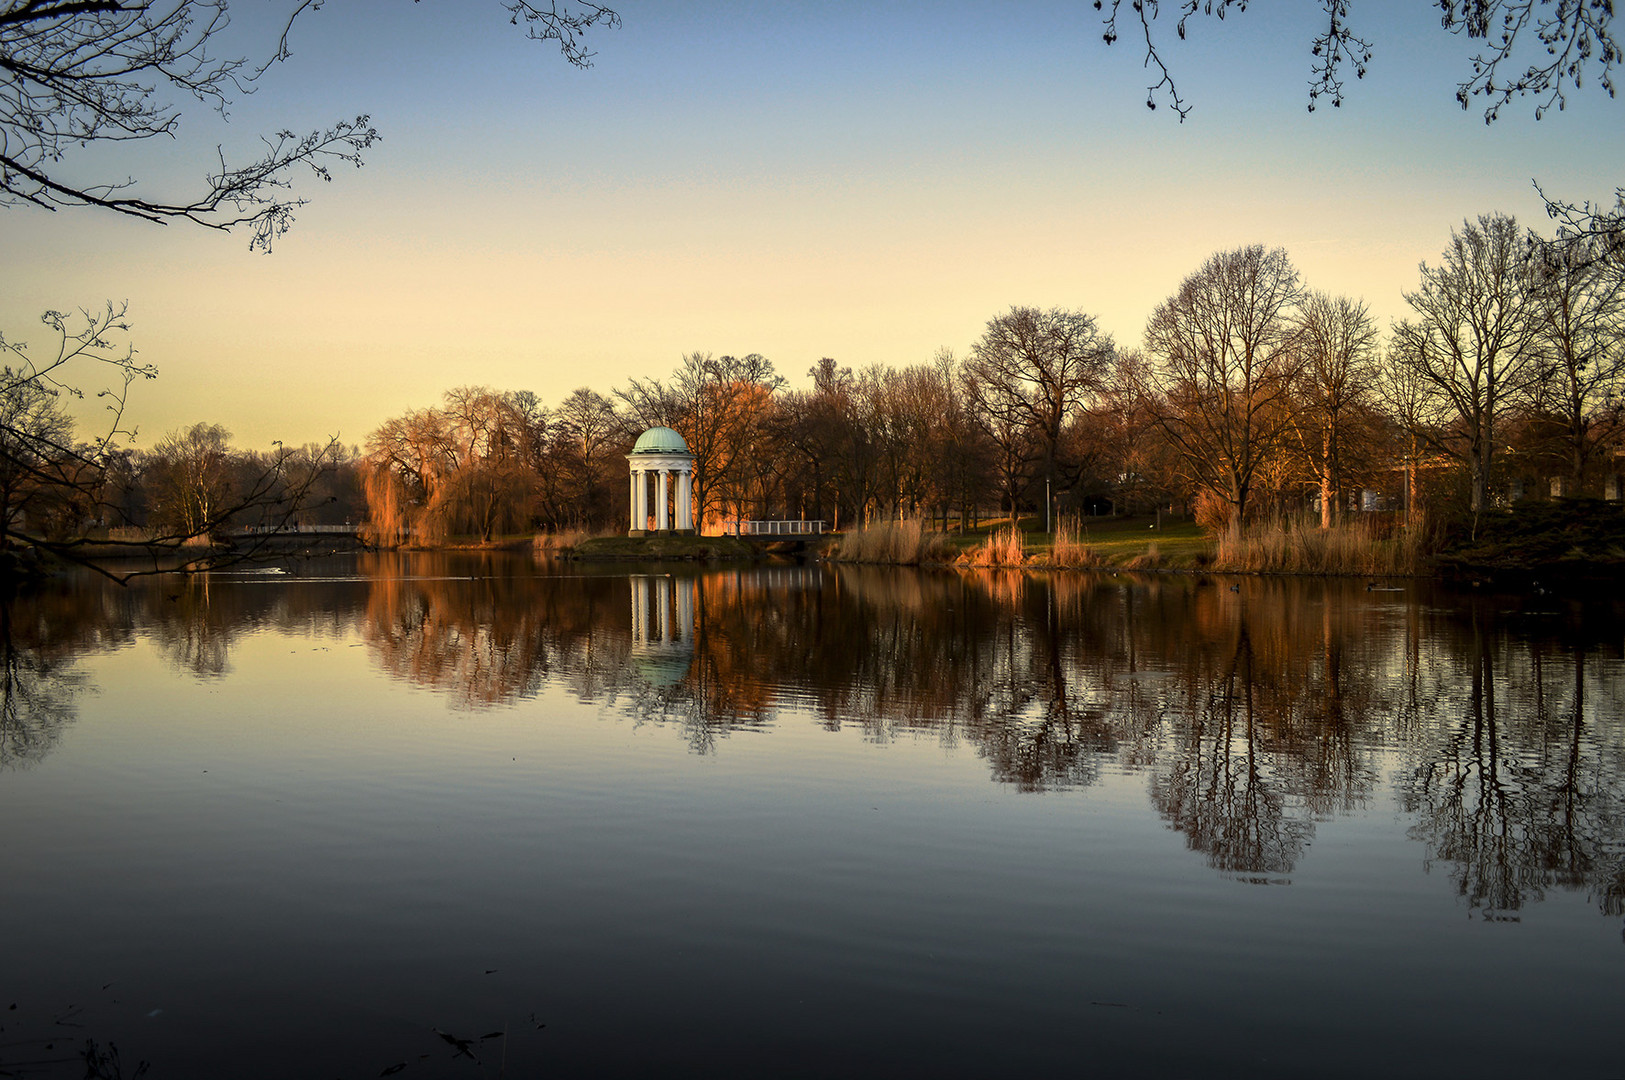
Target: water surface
[{"x": 474, "y": 815}]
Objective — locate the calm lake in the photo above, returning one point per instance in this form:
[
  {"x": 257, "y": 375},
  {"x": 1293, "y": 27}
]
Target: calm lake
[{"x": 432, "y": 816}]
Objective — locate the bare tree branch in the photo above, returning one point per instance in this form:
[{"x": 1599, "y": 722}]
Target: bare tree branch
[
  {"x": 1574, "y": 39},
  {"x": 1575, "y": 35},
  {"x": 77, "y": 73}
]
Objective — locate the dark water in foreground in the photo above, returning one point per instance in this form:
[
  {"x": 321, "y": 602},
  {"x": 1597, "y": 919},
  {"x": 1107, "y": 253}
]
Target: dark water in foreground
[{"x": 428, "y": 817}]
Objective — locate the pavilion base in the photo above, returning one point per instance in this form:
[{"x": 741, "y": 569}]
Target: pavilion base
[{"x": 662, "y": 532}]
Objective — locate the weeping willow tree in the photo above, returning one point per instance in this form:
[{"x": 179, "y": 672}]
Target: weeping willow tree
[{"x": 455, "y": 470}]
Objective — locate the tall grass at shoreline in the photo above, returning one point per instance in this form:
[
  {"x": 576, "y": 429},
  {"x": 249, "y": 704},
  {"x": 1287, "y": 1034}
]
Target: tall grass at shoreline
[
  {"x": 899, "y": 543},
  {"x": 1301, "y": 546},
  {"x": 1364, "y": 545},
  {"x": 1068, "y": 550},
  {"x": 1003, "y": 548},
  {"x": 556, "y": 543}
]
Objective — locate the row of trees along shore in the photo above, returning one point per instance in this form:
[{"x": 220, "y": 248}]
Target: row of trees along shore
[
  {"x": 1251, "y": 397},
  {"x": 82, "y": 495},
  {"x": 1248, "y": 393}
]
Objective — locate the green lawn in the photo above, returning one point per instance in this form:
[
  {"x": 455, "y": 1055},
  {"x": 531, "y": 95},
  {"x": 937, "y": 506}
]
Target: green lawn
[{"x": 1181, "y": 544}]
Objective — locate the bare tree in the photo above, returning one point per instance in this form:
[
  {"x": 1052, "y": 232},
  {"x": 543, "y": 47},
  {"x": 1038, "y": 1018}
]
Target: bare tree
[
  {"x": 1579, "y": 313},
  {"x": 35, "y": 464},
  {"x": 1010, "y": 447},
  {"x": 1032, "y": 371},
  {"x": 717, "y": 403},
  {"x": 962, "y": 456},
  {"x": 1132, "y": 445},
  {"x": 1471, "y": 345},
  {"x": 189, "y": 478},
  {"x": 40, "y": 458},
  {"x": 588, "y": 434},
  {"x": 1223, "y": 368},
  {"x": 810, "y": 428},
  {"x": 1337, "y": 343},
  {"x": 1407, "y": 401}
]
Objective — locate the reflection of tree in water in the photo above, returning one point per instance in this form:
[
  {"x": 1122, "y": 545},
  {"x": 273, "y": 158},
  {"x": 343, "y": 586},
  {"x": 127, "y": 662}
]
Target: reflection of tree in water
[
  {"x": 193, "y": 621},
  {"x": 1255, "y": 712},
  {"x": 1217, "y": 783},
  {"x": 1050, "y": 680},
  {"x": 494, "y": 634},
  {"x": 1036, "y": 719},
  {"x": 966, "y": 661},
  {"x": 723, "y": 650},
  {"x": 1243, "y": 710},
  {"x": 1518, "y": 783},
  {"x": 196, "y": 620},
  {"x": 36, "y": 697},
  {"x": 42, "y": 633},
  {"x": 1259, "y": 725},
  {"x": 193, "y": 628}
]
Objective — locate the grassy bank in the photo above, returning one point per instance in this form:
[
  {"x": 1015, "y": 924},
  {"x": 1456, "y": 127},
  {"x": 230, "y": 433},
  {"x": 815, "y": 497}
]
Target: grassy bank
[
  {"x": 641, "y": 548},
  {"x": 1128, "y": 543},
  {"x": 1132, "y": 543}
]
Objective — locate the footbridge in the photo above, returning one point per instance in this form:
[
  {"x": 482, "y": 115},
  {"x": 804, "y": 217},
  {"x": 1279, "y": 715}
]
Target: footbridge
[
  {"x": 793, "y": 535},
  {"x": 281, "y": 538}
]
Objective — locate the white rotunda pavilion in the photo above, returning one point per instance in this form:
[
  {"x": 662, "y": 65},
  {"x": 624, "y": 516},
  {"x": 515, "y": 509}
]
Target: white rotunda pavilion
[{"x": 659, "y": 455}]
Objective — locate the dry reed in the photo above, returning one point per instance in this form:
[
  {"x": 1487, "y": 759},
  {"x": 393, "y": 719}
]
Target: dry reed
[
  {"x": 899, "y": 543},
  {"x": 559, "y": 541},
  {"x": 1301, "y": 546},
  {"x": 1003, "y": 548},
  {"x": 1069, "y": 550}
]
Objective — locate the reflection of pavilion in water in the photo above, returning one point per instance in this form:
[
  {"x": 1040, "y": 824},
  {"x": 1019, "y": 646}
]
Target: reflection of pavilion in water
[{"x": 662, "y": 627}]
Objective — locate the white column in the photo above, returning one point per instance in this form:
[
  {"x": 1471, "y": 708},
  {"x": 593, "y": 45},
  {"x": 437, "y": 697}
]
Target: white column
[
  {"x": 642, "y": 516},
  {"x": 632, "y": 502},
  {"x": 662, "y": 515},
  {"x": 685, "y": 498}
]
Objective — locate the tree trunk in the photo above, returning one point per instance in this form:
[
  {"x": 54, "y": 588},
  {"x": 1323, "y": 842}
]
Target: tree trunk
[{"x": 1330, "y": 493}]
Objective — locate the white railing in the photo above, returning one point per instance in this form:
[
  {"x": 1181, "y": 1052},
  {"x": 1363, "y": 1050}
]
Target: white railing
[
  {"x": 773, "y": 528},
  {"x": 290, "y": 530}
]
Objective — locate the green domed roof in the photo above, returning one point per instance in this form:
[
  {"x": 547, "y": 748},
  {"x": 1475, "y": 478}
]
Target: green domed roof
[{"x": 660, "y": 440}]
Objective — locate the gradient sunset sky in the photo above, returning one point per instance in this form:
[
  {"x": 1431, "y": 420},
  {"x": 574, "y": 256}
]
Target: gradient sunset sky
[{"x": 869, "y": 182}]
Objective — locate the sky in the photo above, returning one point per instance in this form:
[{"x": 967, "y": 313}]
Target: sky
[{"x": 870, "y": 181}]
